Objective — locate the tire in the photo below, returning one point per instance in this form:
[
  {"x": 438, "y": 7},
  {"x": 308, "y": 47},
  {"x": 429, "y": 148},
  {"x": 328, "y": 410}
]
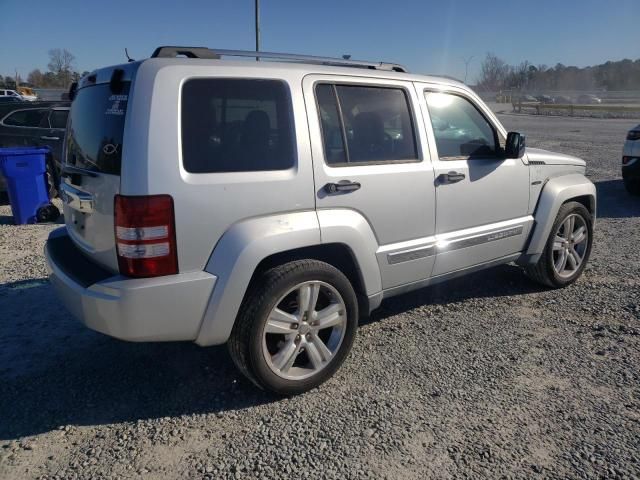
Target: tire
[
  {"x": 632, "y": 185},
  {"x": 545, "y": 271},
  {"x": 257, "y": 351}
]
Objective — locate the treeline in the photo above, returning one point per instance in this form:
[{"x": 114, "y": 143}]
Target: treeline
[
  {"x": 61, "y": 72},
  {"x": 496, "y": 74}
]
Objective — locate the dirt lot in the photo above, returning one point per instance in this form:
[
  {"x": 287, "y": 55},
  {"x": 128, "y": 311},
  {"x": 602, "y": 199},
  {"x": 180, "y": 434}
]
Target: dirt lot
[{"x": 486, "y": 376}]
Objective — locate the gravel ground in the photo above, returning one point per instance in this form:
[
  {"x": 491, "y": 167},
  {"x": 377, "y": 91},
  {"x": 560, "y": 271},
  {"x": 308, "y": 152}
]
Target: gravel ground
[{"x": 485, "y": 376}]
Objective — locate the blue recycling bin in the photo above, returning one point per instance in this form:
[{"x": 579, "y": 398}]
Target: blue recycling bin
[{"x": 24, "y": 169}]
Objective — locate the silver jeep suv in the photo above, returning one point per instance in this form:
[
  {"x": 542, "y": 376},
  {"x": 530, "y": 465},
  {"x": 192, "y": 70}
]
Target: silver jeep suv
[{"x": 268, "y": 204}]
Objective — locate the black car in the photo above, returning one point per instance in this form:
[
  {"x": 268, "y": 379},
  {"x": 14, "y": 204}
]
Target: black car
[
  {"x": 544, "y": 99},
  {"x": 36, "y": 124}
]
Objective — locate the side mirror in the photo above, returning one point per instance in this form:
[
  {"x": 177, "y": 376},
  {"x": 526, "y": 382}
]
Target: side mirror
[{"x": 514, "y": 147}]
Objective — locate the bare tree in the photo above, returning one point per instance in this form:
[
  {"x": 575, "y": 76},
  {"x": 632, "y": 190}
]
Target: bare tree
[
  {"x": 36, "y": 78},
  {"x": 493, "y": 72},
  {"x": 61, "y": 62}
]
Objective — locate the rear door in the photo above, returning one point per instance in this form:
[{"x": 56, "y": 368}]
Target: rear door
[
  {"x": 52, "y": 133},
  {"x": 367, "y": 142},
  {"x": 93, "y": 147}
]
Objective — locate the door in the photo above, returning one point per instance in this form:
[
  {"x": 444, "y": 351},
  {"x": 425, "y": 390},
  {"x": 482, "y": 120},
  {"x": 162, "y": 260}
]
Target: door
[
  {"x": 368, "y": 158},
  {"x": 482, "y": 197},
  {"x": 52, "y": 133}
]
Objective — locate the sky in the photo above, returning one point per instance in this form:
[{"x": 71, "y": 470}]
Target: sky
[{"x": 433, "y": 37}]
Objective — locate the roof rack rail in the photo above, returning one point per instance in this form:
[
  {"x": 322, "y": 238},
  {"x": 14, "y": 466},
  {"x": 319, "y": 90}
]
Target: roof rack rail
[{"x": 203, "y": 52}]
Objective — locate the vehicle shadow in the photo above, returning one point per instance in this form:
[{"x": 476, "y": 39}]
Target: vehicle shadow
[
  {"x": 503, "y": 280},
  {"x": 614, "y": 201},
  {"x": 55, "y": 372}
]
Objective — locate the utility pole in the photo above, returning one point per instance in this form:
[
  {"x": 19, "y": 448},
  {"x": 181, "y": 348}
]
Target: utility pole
[
  {"x": 257, "y": 9},
  {"x": 466, "y": 61}
]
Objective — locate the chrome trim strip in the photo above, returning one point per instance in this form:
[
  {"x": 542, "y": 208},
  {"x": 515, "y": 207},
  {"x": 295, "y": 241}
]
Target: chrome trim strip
[
  {"x": 492, "y": 236},
  {"x": 411, "y": 254},
  {"x": 429, "y": 246},
  {"x": 76, "y": 199}
]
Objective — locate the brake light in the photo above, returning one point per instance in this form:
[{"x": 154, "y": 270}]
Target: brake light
[{"x": 145, "y": 235}]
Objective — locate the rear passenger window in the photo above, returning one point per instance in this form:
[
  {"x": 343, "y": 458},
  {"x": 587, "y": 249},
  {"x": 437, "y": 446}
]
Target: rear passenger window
[
  {"x": 362, "y": 124},
  {"x": 58, "y": 118},
  {"x": 26, "y": 118},
  {"x": 236, "y": 125}
]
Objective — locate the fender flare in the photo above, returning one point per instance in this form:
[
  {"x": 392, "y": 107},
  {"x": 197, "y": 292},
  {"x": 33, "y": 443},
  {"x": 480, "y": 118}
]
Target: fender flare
[
  {"x": 555, "y": 193},
  {"x": 245, "y": 244}
]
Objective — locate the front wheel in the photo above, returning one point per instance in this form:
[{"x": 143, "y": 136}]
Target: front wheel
[
  {"x": 296, "y": 327},
  {"x": 568, "y": 248}
]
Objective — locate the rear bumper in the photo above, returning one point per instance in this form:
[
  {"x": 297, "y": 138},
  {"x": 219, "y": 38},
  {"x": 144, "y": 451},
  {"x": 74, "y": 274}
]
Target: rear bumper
[{"x": 168, "y": 308}]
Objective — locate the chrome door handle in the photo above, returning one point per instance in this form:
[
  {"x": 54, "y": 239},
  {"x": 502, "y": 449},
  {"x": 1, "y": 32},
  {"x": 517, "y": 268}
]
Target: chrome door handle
[
  {"x": 451, "y": 177},
  {"x": 44, "y": 137},
  {"x": 342, "y": 186}
]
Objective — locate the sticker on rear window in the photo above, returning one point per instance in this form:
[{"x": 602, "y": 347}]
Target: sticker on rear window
[{"x": 116, "y": 108}]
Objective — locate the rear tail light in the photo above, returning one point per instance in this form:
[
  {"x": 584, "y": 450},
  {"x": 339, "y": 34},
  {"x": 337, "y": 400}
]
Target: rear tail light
[{"x": 145, "y": 235}]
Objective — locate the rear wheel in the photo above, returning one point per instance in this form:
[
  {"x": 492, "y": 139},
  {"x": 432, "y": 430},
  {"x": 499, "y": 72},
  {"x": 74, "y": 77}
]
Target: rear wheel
[
  {"x": 568, "y": 248},
  {"x": 296, "y": 327}
]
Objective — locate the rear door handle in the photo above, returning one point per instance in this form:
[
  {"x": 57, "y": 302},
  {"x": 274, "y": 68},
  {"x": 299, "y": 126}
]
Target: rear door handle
[
  {"x": 44, "y": 137},
  {"x": 451, "y": 177},
  {"x": 341, "y": 186}
]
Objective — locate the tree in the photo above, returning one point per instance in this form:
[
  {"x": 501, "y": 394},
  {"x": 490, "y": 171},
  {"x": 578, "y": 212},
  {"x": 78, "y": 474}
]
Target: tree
[
  {"x": 61, "y": 62},
  {"x": 36, "y": 78},
  {"x": 493, "y": 71}
]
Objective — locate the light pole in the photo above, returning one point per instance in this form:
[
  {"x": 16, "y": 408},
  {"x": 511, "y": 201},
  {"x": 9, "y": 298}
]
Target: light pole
[
  {"x": 466, "y": 61},
  {"x": 257, "y": 11}
]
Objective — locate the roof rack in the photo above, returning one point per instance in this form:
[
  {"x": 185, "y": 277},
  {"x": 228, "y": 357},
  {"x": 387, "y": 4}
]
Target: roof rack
[{"x": 204, "y": 52}]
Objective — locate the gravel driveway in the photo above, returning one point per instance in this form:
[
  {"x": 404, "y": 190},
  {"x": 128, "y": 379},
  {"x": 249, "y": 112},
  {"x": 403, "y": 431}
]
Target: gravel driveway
[{"x": 485, "y": 376}]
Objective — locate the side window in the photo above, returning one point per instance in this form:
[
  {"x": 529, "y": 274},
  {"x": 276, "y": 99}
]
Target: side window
[
  {"x": 58, "y": 118},
  {"x": 236, "y": 125},
  {"x": 459, "y": 128},
  {"x": 374, "y": 122},
  {"x": 26, "y": 118},
  {"x": 331, "y": 124}
]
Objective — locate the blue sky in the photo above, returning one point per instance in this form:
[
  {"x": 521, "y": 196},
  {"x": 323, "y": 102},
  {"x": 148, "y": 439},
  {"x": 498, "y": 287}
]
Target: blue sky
[{"x": 425, "y": 36}]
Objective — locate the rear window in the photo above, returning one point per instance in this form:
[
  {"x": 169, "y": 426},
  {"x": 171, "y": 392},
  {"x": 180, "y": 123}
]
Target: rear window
[
  {"x": 236, "y": 125},
  {"x": 96, "y": 127}
]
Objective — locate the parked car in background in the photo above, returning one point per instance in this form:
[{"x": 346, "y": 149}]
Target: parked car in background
[
  {"x": 11, "y": 93},
  {"x": 36, "y": 124},
  {"x": 588, "y": 99},
  {"x": 527, "y": 99},
  {"x": 27, "y": 93},
  {"x": 631, "y": 161},
  {"x": 544, "y": 99},
  {"x": 268, "y": 203},
  {"x": 562, "y": 100}
]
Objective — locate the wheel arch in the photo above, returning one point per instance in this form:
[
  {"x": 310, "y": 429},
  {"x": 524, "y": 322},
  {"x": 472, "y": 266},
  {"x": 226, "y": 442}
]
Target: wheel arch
[
  {"x": 254, "y": 245},
  {"x": 556, "y": 192}
]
